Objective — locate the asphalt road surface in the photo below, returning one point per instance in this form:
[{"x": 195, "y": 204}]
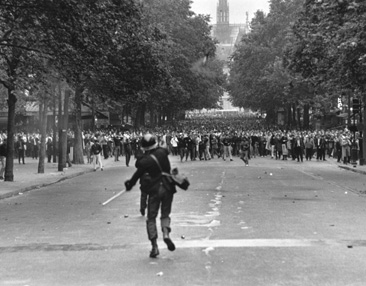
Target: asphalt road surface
[{"x": 272, "y": 223}]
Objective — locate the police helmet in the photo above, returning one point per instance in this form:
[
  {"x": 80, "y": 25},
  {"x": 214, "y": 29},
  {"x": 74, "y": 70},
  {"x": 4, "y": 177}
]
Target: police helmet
[{"x": 148, "y": 142}]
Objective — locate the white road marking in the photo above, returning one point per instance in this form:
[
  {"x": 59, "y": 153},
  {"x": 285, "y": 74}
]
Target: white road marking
[
  {"x": 237, "y": 243},
  {"x": 318, "y": 177}
]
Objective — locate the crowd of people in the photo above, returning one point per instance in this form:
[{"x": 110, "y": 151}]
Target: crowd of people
[{"x": 197, "y": 140}]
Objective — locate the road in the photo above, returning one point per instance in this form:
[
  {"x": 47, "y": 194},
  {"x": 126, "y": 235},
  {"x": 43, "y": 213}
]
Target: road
[{"x": 272, "y": 223}]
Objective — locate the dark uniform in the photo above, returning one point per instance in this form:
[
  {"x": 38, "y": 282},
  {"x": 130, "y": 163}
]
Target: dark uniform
[
  {"x": 182, "y": 147},
  {"x": 244, "y": 150},
  {"x": 160, "y": 191}
]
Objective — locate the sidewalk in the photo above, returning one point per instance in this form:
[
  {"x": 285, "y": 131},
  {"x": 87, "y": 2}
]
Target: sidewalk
[
  {"x": 26, "y": 177},
  {"x": 357, "y": 168}
]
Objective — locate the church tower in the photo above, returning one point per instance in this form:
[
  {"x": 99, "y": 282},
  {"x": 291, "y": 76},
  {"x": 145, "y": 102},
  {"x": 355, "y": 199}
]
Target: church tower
[
  {"x": 222, "y": 14},
  {"x": 222, "y": 33}
]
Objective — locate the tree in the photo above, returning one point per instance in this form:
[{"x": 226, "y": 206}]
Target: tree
[
  {"x": 257, "y": 77},
  {"x": 20, "y": 42},
  {"x": 96, "y": 40},
  {"x": 329, "y": 47},
  {"x": 194, "y": 79}
]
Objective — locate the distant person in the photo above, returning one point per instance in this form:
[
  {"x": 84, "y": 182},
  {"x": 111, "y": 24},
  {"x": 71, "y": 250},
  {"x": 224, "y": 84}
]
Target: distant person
[
  {"x": 96, "y": 150},
  {"x": 20, "y": 146},
  {"x": 127, "y": 147},
  {"x": 49, "y": 147},
  {"x": 244, "y": 150},
  {"x": 2, "y": 158}
]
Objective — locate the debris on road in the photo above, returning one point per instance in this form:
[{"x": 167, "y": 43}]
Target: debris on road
[{"x": 208, "y": 249}]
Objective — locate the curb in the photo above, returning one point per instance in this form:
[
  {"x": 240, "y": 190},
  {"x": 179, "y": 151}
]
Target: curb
[
  {"x": 39, "y": 186},
  {"x": 353, "y": 169}
]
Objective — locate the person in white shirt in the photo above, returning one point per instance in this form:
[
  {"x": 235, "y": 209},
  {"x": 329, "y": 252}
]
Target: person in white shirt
[
  {"x": 127, "y": 147},
  {"x": 174, "y": 143}
]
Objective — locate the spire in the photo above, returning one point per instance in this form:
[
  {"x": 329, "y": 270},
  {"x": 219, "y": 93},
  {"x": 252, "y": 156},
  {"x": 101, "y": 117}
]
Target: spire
[{"x": 222, "y": 14}]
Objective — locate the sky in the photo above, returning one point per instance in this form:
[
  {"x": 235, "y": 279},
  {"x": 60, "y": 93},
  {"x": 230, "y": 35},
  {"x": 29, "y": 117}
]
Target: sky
[{"x": 237, "y": 8}]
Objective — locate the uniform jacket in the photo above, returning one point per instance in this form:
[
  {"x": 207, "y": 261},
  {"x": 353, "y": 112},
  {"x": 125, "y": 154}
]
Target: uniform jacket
[{"x": 146, "y": 164}]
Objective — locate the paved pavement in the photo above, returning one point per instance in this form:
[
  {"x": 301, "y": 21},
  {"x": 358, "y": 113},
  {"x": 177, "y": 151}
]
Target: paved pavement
[{"x": 26, "y": 177}]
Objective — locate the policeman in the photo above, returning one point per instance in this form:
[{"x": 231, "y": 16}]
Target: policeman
[
  {"x": 160, "y": 192},
  {"x": 244, "y": 150}
]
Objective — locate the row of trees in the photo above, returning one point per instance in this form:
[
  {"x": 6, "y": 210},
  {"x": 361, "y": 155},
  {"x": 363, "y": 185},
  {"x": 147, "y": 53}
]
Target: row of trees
[
  {"x": 153, "y": 56},
  {"x": 302, "y": 56}
]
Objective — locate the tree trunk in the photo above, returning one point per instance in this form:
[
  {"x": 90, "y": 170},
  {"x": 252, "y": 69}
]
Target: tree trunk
[
  {"x": 363, "y": 159},
  {"x": 294, "y": 121},
  {"x": 78, "y": 156},
  {"x": 170, "y": 117},
  {"x": 142, "y": 115},
  {"x": 289, "y": 117},
  {"x": 159, "y": 118},
  {"x": 151, "y": 117},
  {"x": 136, "y": 122},
  {"x": 65, "y": 126},
  {"x": 54, "y": 137},
  {"x": 298, "y": 111},
  {"x": 43, "y": 125},
  {"x": 306, "y": 116},
  {"x": 61, "y": 132},
  {"x": 93, "y": 114},
  {"x": 9, "y": 166}
]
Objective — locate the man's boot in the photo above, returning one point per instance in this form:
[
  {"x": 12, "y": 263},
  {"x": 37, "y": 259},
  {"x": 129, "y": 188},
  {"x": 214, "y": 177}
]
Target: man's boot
[
  {"x": 155, "y": 250},
  {"x": 167, "y": 239}
]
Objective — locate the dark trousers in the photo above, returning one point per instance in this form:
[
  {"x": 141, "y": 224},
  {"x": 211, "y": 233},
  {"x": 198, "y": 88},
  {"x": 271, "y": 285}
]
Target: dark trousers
[
  {"x": 21, "y": 155},
  {"x": 128, "y": 153},
  {"x": 191, "y": 152},
  {"x": 35, "y": 152},
  {"x": 339, "y": 154},
  {"x": 183, "y": 152},
  {"x": 308, "y": 153},
  {"x": 161, "y": 199},
  {"x": 143, "y": 201},
  {"x": 116, "y": 153},
  {"x": 320, "y": 154},
  {"x": 194, "y": 152},
  {"x": 105, "y": 151},
  {"x": 299, "y": 155},
  {"x": 244, "y": 156}
]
